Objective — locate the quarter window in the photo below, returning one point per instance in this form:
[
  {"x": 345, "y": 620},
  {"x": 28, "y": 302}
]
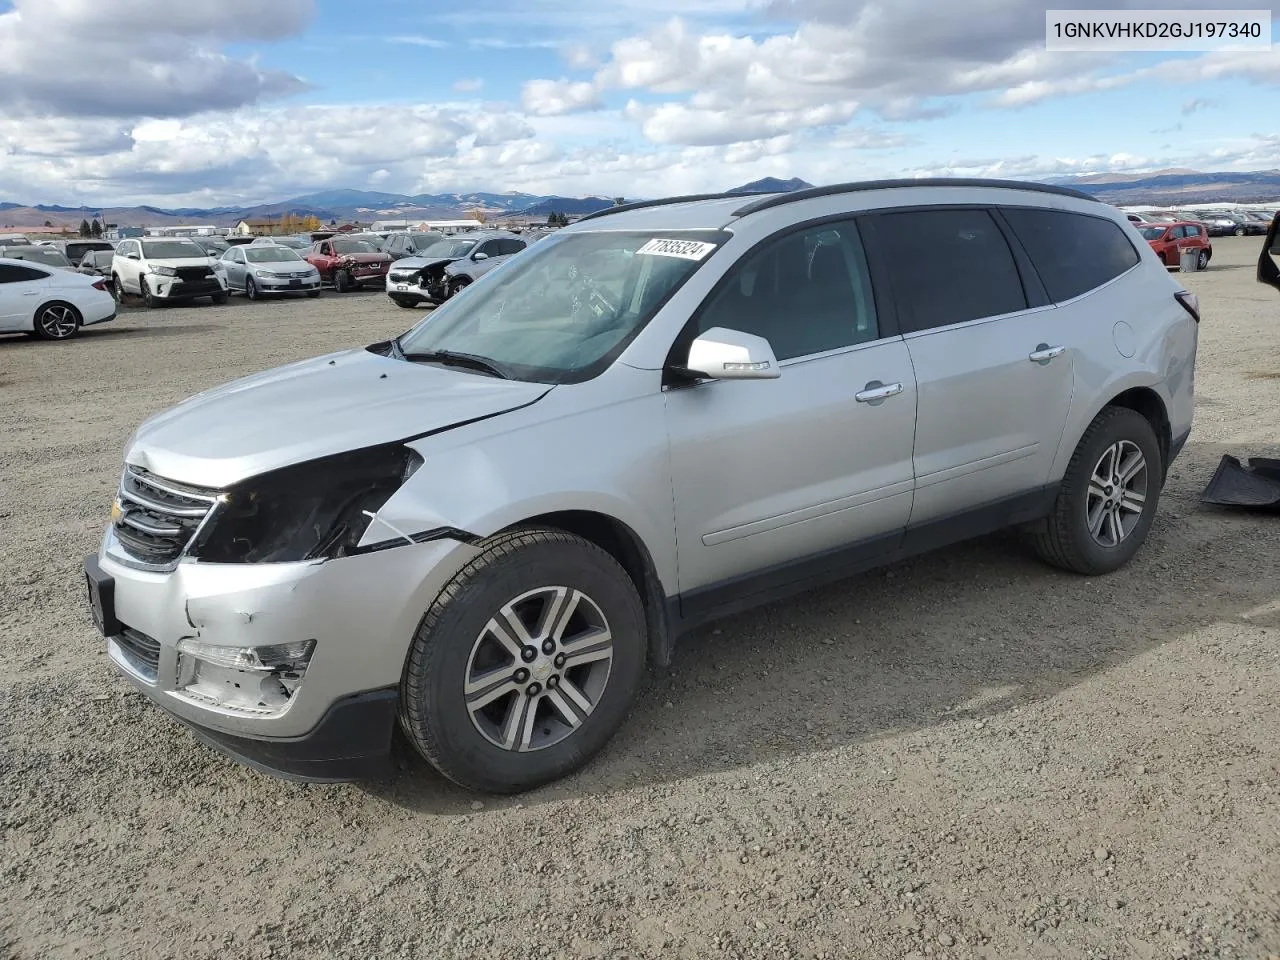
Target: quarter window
[
  {"x": 949, "y": 266},
  {"x": 1073, "y": 252},
  {"x": 15, "y": 274},
  {"x": 805, "y": 293}
]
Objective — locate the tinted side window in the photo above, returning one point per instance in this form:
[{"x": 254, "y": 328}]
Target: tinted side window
[
  {"x": 16, "y": 274},
  {"x": 805, "y": 293},
  {"x": 510, "y": 246},
  {"x": 949, "y": 266},
  {"x": 1072, "y": 252}
]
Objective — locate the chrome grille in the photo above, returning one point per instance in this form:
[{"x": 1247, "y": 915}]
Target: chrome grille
[
  {"x": 158, "y": 517},
  {"x": 404, "y": 276}
]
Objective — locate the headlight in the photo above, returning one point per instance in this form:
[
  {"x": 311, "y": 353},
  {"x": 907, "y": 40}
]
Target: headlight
[
  {"x": 265, "y": 274},
  {"x": 219, "y": 267},
  {"x": 305, "y": 511},
  {"x": 164, "y": 271}
]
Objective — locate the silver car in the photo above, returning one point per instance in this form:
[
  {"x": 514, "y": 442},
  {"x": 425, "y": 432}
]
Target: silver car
[
  {"x": 258, "y": 270},
  {"x": 442, "y": 269},
  {"x": 482, "y": 530}
]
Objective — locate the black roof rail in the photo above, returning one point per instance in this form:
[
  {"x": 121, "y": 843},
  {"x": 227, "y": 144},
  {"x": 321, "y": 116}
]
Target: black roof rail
[
  {"x": 687, "y": 198},
  {"x": 777, "y": 200}
]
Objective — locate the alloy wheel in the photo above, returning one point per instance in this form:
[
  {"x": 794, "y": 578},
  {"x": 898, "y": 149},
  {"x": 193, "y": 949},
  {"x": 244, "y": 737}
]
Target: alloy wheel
[
  {"x": 538, "y": 668},
  {"x": 1117, "y": 493},
  {"x": 57, "y": 322}
]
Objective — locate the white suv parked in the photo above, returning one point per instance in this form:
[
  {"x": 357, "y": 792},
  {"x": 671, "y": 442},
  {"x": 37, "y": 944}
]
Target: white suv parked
[
  {"x": 482, "y": 530},
  {"x": 166, "y": 269}
]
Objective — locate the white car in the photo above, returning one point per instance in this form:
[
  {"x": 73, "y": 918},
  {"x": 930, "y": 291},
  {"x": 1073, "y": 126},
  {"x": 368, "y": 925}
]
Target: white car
[
  {"x": 49, "y": 303},
  {"x": 168, "y": 269}
]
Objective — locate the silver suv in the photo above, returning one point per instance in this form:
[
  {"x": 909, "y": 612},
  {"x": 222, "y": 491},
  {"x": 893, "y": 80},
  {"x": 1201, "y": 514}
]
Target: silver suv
[{"x": 482, "y": 530}]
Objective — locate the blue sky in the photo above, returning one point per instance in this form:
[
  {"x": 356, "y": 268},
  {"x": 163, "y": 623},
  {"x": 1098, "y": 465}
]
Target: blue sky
[{"x": 241, "y": 101}]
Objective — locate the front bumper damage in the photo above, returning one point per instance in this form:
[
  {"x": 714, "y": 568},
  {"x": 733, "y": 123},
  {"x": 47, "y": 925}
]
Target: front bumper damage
[{"x": 360, "y": 612}]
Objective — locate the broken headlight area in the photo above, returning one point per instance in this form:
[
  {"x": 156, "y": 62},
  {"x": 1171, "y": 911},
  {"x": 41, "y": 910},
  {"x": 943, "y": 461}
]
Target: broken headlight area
[
  {"x": 314, "y": 510},
  {"x": 257, "y": 680}
]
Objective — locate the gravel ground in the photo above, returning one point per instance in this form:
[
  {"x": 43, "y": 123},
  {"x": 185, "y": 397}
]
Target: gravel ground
[{"x": 967, "y": 755}]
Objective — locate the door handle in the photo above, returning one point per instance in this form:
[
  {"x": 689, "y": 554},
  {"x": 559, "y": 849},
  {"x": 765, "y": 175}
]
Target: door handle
[
  {"x": 876, "y": 392},
  {"x": 1043, "y": 353}
]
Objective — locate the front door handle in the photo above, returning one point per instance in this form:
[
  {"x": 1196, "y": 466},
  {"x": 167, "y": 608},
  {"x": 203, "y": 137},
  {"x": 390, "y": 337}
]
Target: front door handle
[
  {"x": 1043, "y": 353},
  {"x": 876, "y": 392}
]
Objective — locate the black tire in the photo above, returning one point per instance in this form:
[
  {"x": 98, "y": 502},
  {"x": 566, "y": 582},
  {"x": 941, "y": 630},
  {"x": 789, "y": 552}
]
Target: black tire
[
  {"x": 117, "y": 286},
  {"x": 1064, "y": 538},
  {"x": 341, "y": 281},
  {"x": 457, "y": 285},
  {"x": 250, "y": 288},
  {"x": 57, "y": 321},
  {"x": 149, "y": 298},
  {"x": 313, "y": 294},
  {"x": 433, "y": 710},
  {"x": 219, "y": 298},
  {"x": 1240, "y": 231},
  {"x": 1202, "y": 261}
]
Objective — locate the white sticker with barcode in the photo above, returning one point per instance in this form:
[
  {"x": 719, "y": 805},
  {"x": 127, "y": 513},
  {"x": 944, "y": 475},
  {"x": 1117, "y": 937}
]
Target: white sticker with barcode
[{"x": 684, "y": 249}]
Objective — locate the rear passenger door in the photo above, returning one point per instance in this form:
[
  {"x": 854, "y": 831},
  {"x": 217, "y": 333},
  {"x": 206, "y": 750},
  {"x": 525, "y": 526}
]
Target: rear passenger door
[
  {"x": 993, "y": 362},
  {"x": 20, "y": 289}
]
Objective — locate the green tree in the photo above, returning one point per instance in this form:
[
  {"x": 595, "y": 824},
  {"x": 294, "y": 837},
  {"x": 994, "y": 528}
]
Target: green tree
[
  {"x": 95, "y": 228},
  {"x": 84, "y": 228}
]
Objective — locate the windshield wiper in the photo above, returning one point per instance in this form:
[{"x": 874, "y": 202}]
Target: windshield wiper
[{"x": 452, "y": 358}]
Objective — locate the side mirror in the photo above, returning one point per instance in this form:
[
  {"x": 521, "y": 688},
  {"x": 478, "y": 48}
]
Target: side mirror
[
  {"x": 725, "y": 354},
  {"x": 479, "y": 256},
  {"x": 132, "y": 256},
  {"x": 1269, "y": 259}
]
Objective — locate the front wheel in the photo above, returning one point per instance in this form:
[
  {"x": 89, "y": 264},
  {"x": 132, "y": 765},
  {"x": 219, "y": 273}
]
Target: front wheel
[
  {"x": 341, "y": 281},
  {"x": 118, "y": 286},
  {"x": 526, "y": 664},
  {"x": 457, "y": 285},
  {"x": 250, "y": 288},
  {"x": 149, "y": 298},
  {"x": 1108, "y": 498},
  {"x": 219, "y": 297},
  {"x": 1239, "y": 231},
  {"x": 1202, "y": 261}
]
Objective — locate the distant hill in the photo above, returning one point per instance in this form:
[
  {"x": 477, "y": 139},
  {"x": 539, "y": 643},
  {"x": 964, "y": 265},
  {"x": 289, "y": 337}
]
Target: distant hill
[
  {"x": 772, "y": 185},
  {"x": 1161, "y": 187}
]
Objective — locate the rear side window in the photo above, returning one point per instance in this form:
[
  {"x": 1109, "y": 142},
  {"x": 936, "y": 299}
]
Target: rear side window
[
  {"x": 1073, "y": 253},
  {"x": 15, "y": 274},
  {"x": 510, "y": 246},
  {"x": 949, "y": 266}
]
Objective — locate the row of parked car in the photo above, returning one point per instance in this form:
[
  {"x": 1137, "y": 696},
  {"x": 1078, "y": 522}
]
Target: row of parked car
[{"x": 1217, "y": 223}]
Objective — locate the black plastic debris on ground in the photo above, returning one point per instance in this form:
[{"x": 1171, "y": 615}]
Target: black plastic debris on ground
[{"x": 1252, "y": 487}]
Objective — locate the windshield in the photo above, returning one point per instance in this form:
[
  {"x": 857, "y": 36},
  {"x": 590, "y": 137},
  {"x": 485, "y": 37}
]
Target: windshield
[
  {"x": 219, "y": 245},
  {"x": 353, "y": 246},
  {"x": 46, "y": 255},
  {"x": 424, "y": 241},
  {"x": 560, "y": 311},
  {"x": 171, "y": 249},
  {"x": 449, "y": 248},
  {"x": 1151, "y": 233},
  {"x": 270, "y": 254},
  {"x": 294, "y": 243}
]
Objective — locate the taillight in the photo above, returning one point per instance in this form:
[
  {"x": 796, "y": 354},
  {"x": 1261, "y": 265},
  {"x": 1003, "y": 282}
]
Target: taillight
[
  {"x": 1190, "y": 303},
  {"x": 100, "y": 284}
]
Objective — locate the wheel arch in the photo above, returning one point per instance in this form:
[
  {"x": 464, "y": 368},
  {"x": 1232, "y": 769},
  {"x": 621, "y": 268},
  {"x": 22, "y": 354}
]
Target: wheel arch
[
  {"x": 57, "y": 302},
  {"x": 1148, "y": 403},
  {"x": 626, "y": 546}
]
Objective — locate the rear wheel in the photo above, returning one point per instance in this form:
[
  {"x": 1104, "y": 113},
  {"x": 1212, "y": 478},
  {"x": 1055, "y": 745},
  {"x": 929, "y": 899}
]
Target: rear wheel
[
  {"x": 1239, "y": 231},
  {"x": 1108, "y": 498},
  {"x": 57, "y": 321},
  {"x": 526, "y": 664}
]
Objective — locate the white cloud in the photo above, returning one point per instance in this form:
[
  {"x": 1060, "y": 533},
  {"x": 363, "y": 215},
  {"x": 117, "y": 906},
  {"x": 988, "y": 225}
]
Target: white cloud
[
  {"x": 416, "y": 40},
  {"x": 131, "y": 58},
  {"x": 552, "y": 98},
  {"x": 468, "y": 85}
]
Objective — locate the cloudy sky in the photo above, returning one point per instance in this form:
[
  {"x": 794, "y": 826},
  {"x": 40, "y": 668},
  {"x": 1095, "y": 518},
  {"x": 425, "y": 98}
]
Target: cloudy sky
[{"x": 238, "y": 101}]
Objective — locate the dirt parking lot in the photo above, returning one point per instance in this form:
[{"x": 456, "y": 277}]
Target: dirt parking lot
[{"x": 969, "y": 755}]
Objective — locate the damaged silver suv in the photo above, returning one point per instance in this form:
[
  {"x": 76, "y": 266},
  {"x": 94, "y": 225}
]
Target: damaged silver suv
[{"x": 481, "y": 531}]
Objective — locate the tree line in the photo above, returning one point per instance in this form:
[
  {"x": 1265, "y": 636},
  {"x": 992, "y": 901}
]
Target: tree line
[{"x": 88, "y": 229}]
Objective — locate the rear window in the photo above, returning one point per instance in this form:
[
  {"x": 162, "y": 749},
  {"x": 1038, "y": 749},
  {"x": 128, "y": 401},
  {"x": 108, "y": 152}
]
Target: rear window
[
  {"x": 949, "y": 266},
  {"x": 1073, "y": 252}
]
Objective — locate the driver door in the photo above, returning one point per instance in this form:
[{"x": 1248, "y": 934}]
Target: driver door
[{"x": 812, "y": 466}]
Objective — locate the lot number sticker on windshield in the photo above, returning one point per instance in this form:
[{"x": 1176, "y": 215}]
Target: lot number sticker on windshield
[{"x": 684, "y": 249}]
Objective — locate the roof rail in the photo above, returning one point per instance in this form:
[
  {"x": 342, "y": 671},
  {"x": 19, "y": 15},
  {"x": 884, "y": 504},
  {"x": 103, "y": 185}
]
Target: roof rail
[
  {"x": 688, "y": 198},
  {"x": 777, "y": 200}
]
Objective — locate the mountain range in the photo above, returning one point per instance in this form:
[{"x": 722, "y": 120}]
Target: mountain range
[{"x": 1161, "y": 187}]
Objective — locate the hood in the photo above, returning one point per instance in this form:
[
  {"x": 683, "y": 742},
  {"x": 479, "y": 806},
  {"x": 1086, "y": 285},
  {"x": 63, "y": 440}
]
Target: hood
[
  {"x": 421, "y": 263},
  {"x": 342, "y": 401},
  {"x": 365, "y": 257},
  {"x": 182, "y": 261}
]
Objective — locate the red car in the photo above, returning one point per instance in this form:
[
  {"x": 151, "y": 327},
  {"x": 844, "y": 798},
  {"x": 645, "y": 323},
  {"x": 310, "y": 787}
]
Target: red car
[
  {"x": 1168, "y": 240},
  {"x": 347, "y": 263}
]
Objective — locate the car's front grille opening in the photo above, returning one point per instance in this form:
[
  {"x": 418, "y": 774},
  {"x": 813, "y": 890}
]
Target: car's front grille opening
[
  {"x": 195, "y": 274},
  {"x": 144, "y": 649},
  {"x": 158, "y": 517}
]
